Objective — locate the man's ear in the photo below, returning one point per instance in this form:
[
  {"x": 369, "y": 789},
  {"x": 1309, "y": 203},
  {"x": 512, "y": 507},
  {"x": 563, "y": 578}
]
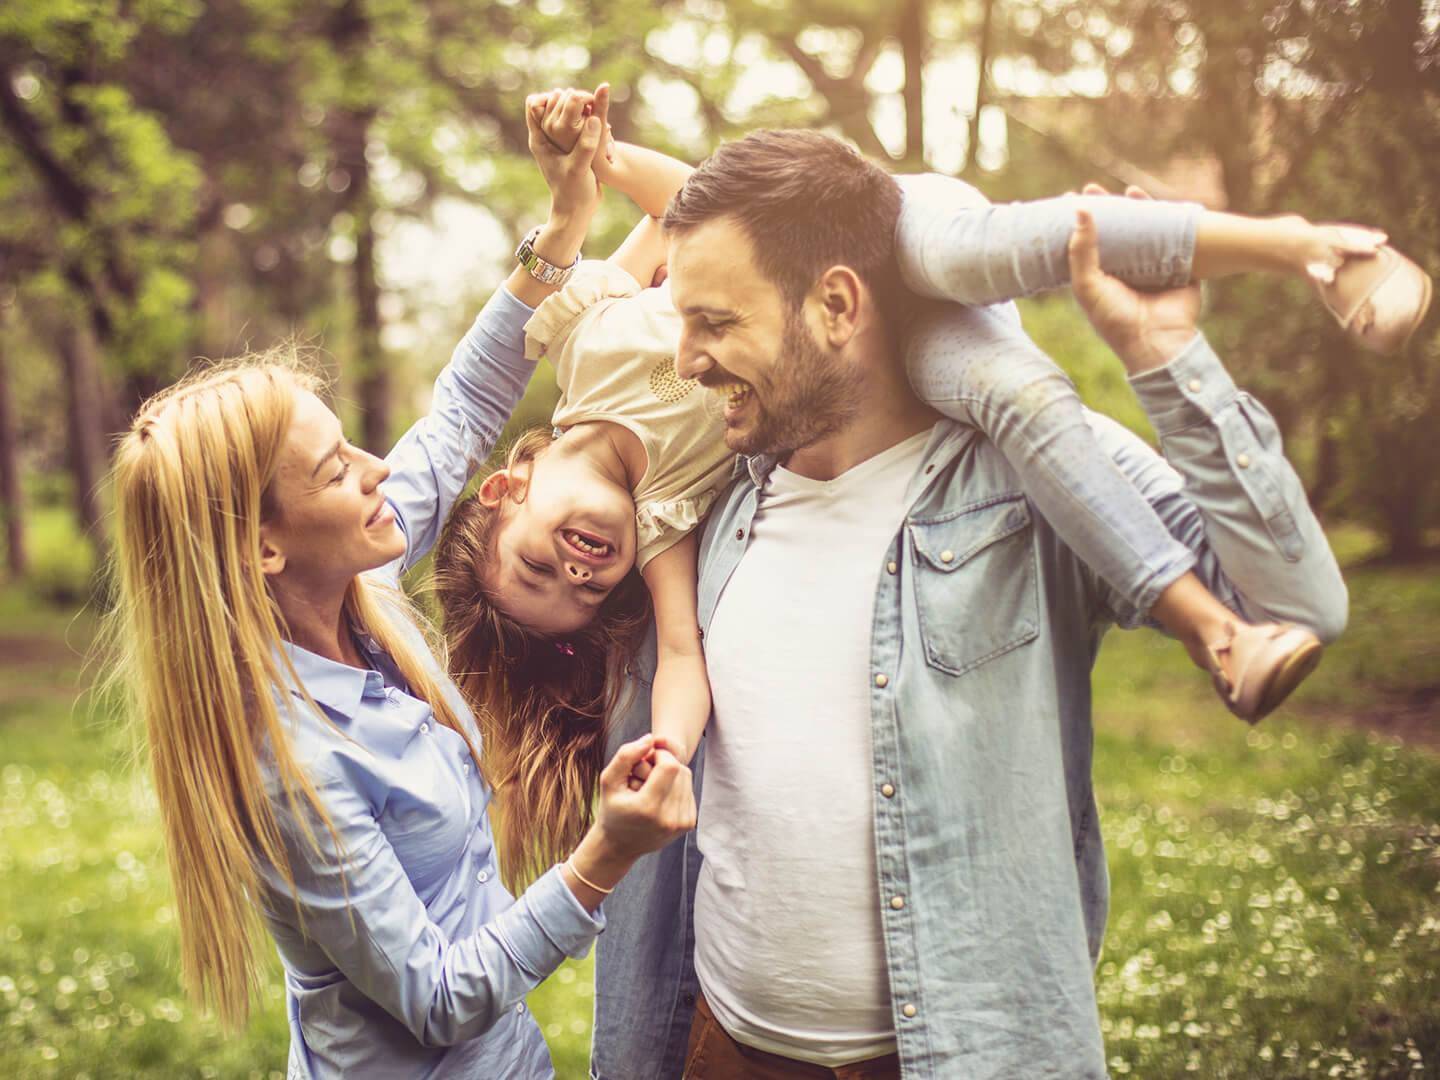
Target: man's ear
[
  {"x": 839, "y": 294},
  {"x": 272, "y": 559},
  {"x": 500, "y": 483}
]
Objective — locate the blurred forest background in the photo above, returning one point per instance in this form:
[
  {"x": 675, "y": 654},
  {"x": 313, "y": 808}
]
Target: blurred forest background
[{"x": 195, "y": 178}]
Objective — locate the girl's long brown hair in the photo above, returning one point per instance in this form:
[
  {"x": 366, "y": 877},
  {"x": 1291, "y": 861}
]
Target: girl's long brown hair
[
  {"x": 197, "y": 638},
  {"x": 542, "y": 702}
]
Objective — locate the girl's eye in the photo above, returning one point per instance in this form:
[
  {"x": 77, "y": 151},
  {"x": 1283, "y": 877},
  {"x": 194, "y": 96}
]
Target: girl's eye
[{"x": 534, "y": 566}]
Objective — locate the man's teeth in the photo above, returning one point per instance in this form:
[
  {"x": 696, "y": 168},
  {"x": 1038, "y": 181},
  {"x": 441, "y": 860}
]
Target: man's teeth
[
  {"x": 731, "y": 392},
  {"x": 586, "y": 545}
]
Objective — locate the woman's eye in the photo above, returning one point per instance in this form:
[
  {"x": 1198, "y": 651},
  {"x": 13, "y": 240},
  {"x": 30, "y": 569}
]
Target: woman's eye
[{"x": 339, "y": 476}]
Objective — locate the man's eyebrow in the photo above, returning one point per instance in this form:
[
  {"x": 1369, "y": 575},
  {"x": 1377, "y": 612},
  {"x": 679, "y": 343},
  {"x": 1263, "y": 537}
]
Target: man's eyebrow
[
  {"x": 324, "y": 458},
  {"x": 707, "y": 309}
]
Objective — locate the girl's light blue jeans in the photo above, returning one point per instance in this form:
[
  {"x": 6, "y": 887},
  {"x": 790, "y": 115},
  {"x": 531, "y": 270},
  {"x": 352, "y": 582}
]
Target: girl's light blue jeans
[{"x": 978, "y": 366}]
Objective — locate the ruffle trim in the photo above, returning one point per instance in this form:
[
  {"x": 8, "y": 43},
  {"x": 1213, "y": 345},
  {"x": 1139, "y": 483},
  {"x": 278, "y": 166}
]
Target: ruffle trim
[
  {"x": 662, "y": 524},
  {"x": 594, "y": 280}
]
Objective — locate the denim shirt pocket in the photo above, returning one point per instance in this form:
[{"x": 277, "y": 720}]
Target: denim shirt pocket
[{"x": 974, "y": 583}]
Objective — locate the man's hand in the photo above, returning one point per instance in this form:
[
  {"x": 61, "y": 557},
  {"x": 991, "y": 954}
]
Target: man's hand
[{"x": 1146, "y": 329}]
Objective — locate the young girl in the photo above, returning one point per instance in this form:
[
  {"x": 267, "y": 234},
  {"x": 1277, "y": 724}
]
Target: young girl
[{"x": 542, "y": 609}]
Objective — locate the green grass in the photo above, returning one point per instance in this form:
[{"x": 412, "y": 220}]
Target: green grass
[{"x": 1276, "y": 908}]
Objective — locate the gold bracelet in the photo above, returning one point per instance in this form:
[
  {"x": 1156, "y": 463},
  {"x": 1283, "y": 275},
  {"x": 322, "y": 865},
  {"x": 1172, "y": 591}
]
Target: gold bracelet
[{"x": 586, "y": 881}]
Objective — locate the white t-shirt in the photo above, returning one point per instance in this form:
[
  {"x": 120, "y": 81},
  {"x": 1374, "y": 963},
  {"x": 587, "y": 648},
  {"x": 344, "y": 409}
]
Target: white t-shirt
[{"x": 787, "y": 911}]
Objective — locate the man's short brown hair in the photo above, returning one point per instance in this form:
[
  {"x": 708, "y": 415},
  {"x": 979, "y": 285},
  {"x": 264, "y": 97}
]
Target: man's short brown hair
[{"x": 807, "y": 202}]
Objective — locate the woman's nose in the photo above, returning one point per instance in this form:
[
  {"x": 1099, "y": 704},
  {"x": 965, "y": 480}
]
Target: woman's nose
[
  {"x": 377, "y": 470},
  {"x": 576, "y": 572}
]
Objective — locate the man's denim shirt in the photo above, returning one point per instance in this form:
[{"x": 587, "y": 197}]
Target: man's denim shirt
[{"x": 986, "y": 627}]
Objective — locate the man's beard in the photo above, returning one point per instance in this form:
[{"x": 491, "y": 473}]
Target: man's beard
[{"x": 808, "y": 396}]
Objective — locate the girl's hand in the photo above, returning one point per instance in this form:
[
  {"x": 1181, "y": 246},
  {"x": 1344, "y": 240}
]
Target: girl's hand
[
  {"x": 563, "y": 114},
  {"x": 568, "y": 172}
]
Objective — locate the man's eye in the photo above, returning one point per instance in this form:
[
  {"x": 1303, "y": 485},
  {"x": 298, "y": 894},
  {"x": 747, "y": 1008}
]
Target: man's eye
[
  {"x": 534, "y": 566},
  {"x": 601, "y": 589}
]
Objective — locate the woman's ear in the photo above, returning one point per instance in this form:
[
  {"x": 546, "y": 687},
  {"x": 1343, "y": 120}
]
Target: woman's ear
[
  {"x": 272, "y": 559},
  {"x": 495, "y": 487}
]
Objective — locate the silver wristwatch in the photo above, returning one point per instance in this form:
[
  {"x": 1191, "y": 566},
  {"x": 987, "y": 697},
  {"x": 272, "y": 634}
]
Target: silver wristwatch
[{"x": 539, "y": 268}]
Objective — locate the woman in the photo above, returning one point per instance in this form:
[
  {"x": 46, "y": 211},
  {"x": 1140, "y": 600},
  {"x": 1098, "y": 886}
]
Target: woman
[{"x": 310, "y": 757}]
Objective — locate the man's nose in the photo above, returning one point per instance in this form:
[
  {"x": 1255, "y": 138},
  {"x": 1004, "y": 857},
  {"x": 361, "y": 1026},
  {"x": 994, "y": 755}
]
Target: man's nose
[
  {"x": 575, "y": 572},
  {"x": 690, "y": 361}
]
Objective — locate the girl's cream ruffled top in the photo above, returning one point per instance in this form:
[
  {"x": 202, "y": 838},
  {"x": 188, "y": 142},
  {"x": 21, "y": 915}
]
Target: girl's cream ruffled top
[{"x": 612, "y": 345}]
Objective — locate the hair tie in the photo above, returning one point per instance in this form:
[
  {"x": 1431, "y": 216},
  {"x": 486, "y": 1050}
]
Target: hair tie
[{"x": 565, "y": 647}]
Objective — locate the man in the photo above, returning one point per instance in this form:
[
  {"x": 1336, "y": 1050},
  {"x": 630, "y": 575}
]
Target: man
[{"x": 902, "y": 871}]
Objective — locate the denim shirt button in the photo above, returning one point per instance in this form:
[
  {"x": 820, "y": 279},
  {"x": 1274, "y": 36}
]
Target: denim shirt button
[
  {"x": 688, "y": 999},
  {"x": 888, "y": 790},
  {"x": 909, "y": 1010},
  {"x": 881, "y": 681},
  {"x": 947, "y": 555},
  {"x": 897, "y": 902}
]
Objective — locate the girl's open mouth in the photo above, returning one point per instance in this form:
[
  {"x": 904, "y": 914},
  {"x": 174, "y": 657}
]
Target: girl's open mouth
[{"x": 588, "y": 546}]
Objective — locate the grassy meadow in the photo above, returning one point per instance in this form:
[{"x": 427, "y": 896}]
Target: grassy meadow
[{"x": 1276, "y": 907}]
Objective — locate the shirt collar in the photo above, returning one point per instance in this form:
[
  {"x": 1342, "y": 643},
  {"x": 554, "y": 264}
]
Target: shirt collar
[{"x": 337, "y": 687}]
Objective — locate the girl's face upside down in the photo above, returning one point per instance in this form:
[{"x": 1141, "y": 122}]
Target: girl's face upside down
[{"x": 566, "y": 537}]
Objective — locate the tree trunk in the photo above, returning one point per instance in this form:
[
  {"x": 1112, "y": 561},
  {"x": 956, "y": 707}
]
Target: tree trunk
[
  {"x": 12, "y": 501},
  {"x": 912, "y": 45},
  {"x": 374, "y": 374},
  {"x": 982, "y": 62},
  {"x": 87, "y": 425}
]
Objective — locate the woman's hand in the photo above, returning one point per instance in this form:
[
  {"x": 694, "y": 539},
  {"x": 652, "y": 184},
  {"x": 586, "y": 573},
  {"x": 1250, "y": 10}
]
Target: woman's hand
[
  {"x": 631, "y": 823},
  {"x": 567, "y": 165}
]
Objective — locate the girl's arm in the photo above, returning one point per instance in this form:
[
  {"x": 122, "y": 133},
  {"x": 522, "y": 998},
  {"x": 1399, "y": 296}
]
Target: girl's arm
[{"x": 680, "y": 695}]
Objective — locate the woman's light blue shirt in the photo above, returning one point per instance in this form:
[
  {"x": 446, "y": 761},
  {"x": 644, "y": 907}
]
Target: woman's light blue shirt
[{"x": 406, "y": 956}]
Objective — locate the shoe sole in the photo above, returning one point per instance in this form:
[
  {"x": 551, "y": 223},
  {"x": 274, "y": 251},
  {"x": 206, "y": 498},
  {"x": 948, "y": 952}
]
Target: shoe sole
[{"x": 1287, "y": 677}]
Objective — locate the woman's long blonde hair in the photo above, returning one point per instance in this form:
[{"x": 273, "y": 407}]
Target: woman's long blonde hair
[{"x": 199, "y": 636}]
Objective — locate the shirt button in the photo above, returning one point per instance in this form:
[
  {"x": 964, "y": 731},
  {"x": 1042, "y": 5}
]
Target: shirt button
[
  {"x": 483, "y": 876},
  {"x": 520, "y": 1008},
  {"x": 424, "y": 728},
  {"x": 909, "y": 1010},
  {"x": 465, "y": 766},
  {"x": 881, "y": 681},
  {"x": 891, "y": 567},
  {"x": 739, "y": 534},
  {"x": 897, "y": 902},
  {"x": 1243, "y": 460},
  {"x": 888, "y": 790},
  {"x": 1194, "y": 385},
  {"x": 947, "y": 555}
]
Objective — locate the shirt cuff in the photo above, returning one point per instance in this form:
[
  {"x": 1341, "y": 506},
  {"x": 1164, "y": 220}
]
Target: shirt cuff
[
  {"x": 547, "y": 921},
  {"x": 1187, "y": 391},
  {"x": 499, "y": 332}
]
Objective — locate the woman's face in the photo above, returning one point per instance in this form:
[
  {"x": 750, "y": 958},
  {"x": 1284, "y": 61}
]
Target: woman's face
[
  {"x": 565, "y": 539},
  {"x": 330, "y": 519}
]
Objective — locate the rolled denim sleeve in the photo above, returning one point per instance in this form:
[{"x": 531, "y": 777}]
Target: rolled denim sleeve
[
  {"x": 474, "y": 395},
  {"x": 357, "y": 905},
  {"x": 1234, "y": 499}
]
